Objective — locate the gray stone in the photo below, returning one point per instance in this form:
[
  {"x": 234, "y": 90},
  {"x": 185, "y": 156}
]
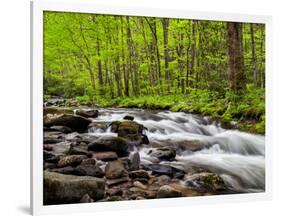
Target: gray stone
[{"x": 63, "y": 189}]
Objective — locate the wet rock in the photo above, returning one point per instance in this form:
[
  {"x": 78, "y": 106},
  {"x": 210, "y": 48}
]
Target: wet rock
[
  {"x": 110, "y": 143},
  {"x": 115, "y": 169},
  {"x": 144, "y": 140},
  {"x": 47, "y": 155},
  {"x": 206, "y": 181},
  {"x": 139, "y": 185},
  {"x": 50, "y": 157},
  {"x": 54, "y": 102},
  {"x": 62, "y": 129},
  {"x": 48, "y": 165},
  {"x": 139, "y": 174},
  {"x": 134, "y": 161},
  {"x": 71, "y": 160},
  {"x": 167, "y": 191},
  {"x": 191, "y": 145},
  {"x": 86, "y": 199},
  {"x": 164, "y": 153},
  {"x": 114, "y": 126},
  {"x": 78, "y": 151},
  {"x": 90, "y": 113},
  {"x": 112, "y": 182},
  {"x": 88, "y": 170},
  {"x": 52, "y": 139},
  {"x": 63, "y": 189},
  {"x": 114, "y": 192},
  {"x": 69, "y": 170},
  {"x": 89, "y": 161},
  {"x": 76, "y": 123},
  {"x": 130, "y": 118},
  {"x": 47, "y": 147},
  {"x": 98, "y": 127},
  {"x": 51, "y": 111},
  {"x": 130, "y": 130},
  {"x": 106, "y": 156},
  {"x": 162, "y": 169}
]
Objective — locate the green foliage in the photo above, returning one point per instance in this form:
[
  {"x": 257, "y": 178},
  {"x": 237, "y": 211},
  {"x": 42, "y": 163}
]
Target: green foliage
[{"x": 108, "y": 60}]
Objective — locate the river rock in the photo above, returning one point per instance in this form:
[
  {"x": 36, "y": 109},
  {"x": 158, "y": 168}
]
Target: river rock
[
  {"x": 164, "y": 153},
  {"x": 75, "y": 150},
  {"x": 88, "y": 170},
  {"x": 130, "y": 118},
  {"x": 112, "y": 182},
  {"x": 75, "y": 122},
  {"x": 130, "y": 130},
  {"x": 69, "y": 170},
  {"x": 86, "y": 199},
  {"x": 71, "y": 160},
  {"x": 89, "y": 161},
  {"x": 54, "y": 102},
  {"x": 139, "y": 185},
  {"x": 139, "y": 174},
  {"x": 191, "y": 145},
  {"x": 134, "y": 161},
  {"x": 110, "y": 143},
  {"x": 63, "y": 189},
  {"x": 162, "y": 169},
  {"x": 115, "y": 169},
  {"x": 98, "y": 127},
  {"x": 90, "y": 113},
  {"x": 205, "y": 180},
  {"x": 167, "y": 191},
  {"x": 106, "y": 156},
  {"x": 62, "y": 129}
]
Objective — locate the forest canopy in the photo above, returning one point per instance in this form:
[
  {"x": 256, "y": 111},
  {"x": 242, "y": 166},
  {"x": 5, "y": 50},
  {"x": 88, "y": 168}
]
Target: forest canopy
[{"x": 208, "y": 67}]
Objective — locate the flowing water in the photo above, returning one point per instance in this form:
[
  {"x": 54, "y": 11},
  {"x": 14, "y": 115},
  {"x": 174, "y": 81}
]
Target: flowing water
[{"x": 238, "y": 157}]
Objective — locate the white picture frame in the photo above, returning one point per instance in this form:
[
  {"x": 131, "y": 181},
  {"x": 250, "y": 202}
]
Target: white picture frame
[{"x": 37, "y": 9}]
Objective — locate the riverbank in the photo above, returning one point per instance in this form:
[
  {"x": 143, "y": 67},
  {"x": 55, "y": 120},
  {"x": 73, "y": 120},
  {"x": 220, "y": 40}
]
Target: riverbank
[{"x": 244, "y": 112}]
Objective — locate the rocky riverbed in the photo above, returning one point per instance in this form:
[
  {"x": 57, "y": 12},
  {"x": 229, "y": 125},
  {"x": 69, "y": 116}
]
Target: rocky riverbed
[{"x": 130, "y": 154}]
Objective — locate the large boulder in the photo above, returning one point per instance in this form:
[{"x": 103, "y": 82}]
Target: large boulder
[
  {"x": 115, "y": 169},
  {"x": 130, "y": 130},
  {"x": 110, "y": 143},
  {"x": 62, "y": 189},
  {"x": 89, "y": 113},
  {"x": 75, "y": 122}
]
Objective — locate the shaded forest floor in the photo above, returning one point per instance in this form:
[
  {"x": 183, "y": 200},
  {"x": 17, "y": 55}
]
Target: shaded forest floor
[{"x": 245, "y": 112}]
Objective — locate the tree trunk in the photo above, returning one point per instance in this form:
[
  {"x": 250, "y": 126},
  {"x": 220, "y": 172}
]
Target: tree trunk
[
  {"x": 236, "y": 76},
  {"x": 165, "y": 24}
]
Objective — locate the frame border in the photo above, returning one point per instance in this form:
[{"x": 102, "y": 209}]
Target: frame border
[{"x": 36, "y": 79}]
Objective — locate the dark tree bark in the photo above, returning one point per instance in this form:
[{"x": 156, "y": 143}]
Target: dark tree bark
[
  {"x": 193, "y": 52},
  {"x": 165, "y": 24},
  {"x": 254, "y": 58},
  {"x": 236, "y": 76}
]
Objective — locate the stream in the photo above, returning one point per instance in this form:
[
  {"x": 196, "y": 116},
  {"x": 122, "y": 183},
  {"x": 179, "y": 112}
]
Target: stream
[{"x": 237, "y": 157}]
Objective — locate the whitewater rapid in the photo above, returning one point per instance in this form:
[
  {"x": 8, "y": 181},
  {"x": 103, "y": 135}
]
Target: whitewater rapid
[{"x": 238, "y": 157}]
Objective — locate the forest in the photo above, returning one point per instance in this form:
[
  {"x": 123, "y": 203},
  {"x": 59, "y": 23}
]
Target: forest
[
  {"x": 149, "y": 108},
  {"x": 212, "y": 68}
]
